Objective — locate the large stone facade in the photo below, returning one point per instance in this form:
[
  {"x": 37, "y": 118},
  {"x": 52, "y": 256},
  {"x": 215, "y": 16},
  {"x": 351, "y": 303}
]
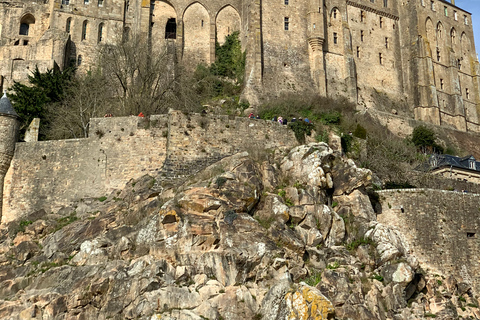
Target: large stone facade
[{"x": 417, "y": 57}]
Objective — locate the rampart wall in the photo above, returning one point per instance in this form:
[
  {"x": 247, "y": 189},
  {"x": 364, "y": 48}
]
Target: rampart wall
[
  {"x": 51, "y": 174},
  {"x": 442, "y": 228}
]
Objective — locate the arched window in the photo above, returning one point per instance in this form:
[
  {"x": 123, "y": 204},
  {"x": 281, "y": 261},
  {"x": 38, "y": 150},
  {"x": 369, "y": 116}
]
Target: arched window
[
  {"x": 100, "y": 32},
  {"x": 453, "y": 36},
  {"x": 25, "y": 23},
  {"x": 68, "y": 25},
  {"x": 171, "y": 29},
  {"x": 84, "y": 30}
]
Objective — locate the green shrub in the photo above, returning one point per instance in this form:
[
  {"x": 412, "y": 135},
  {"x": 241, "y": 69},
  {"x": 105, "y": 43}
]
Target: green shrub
[
  {"x": 424, "y": 138},
  {"x": 301, "y": 130},
  {"x": 360, "y": 132},
  {"x": 332, "y": 117},
  {"x": 313, "y": 279},
  {"x": 333, "y": 266},
  {"x": 358, "y": 242}
]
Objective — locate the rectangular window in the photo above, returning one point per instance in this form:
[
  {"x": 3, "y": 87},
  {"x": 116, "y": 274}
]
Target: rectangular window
[
  {"x": 362, "y": 16},
  {"x": 459, "y": 64},
  {"x": 432, "y": 5},
  {"x": 286, "y": 2},
  {"x": 361, "y": 35},
  {"x": 465, "y": 20},
  {"x": 423, "y": 3},
  {"x": 358, "y": 52},
  {"x": 385, "y": 3},
  {"x": 86, "y": 1},
  {"x": 441, "y": 84},
  {"x": 381, "y": 22},
  {"x": 66, "y": 2},
  {"x": 438, "y": 55},
  {"x": 380, "y": 58},
  {"x": 455, "y": 15},
  {"x": 386, "y": 42},
  {"x": 335, "y": 38},
  {"x": 467, "y": 93},
  {"x": 286, "y": 23},
  {"x": 372, "y": 1},
  {"x": 445, "y": 10},
  {"x": 100, "y": 3}
]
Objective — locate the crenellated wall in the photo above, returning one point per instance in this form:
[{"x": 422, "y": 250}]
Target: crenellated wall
[{"x": 51, "y": 174}]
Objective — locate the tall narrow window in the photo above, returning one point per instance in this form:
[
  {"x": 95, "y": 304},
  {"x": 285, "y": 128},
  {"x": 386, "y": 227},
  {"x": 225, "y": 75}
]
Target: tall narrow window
[
  {"x": 335, "y": 38},
  {"x": 438, "y": 55},
  {"x": 445, "y": 11},
  {"x": 423, "y": 3},
  {"x": 386, "y": 42},
  {"x": 171, "y": 29},
  {"x": 84, "y": 30},
  {"x": 358, "y": 52},
  {"x": 79, "y": 60},
  {"x": 459, "y": 64},
  {"x": 385, "y": 3},
  {"x": 68, "y": 25},
  {"x": 381, "y": 22},
  {"x": 334, "y": 13},
  {"x": 441, "y": 84},
  {"x": 465, "y": 20},
  {"x": 286, "y": 2},
  {"x": 467, "y": 93},
  {"x": 86, "y": 1},
  {"x": 432, "y": 5},
  {"x": 362, "y": 16},
  {"x": 286, "y": 23},
  {"x": 24, "y": 28},
  {"x": 455, "y": 15},
  {"x": 65, "y": 2},
  {"x": 361, "y": 35},
  {"x": 380, "y": 58},
  {"x": 100, "y": 32},
  {"x": 202, "y": 23},
  {"x": 100, "y": 3}
]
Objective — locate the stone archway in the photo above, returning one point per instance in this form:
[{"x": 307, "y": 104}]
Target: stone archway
[
  {"x": 227, "y": 22},
  {"x": 164, "y": 21},
  {"x": 196, "y": 31}
]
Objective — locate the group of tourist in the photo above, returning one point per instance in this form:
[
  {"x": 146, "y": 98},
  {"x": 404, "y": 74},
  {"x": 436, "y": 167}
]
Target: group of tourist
[{"x": 280, "y": 120}]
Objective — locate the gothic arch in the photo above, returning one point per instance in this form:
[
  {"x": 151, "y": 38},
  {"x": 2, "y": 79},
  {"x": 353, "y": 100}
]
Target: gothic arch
[
  {"x": 196, "y": 32},
  {"x": 164, "y": 21},
  {"x": 335, "y": 14},
  {"x": 430, "y": 35},
  {"x": 26, "y": 23},
  {"x": 466, "y": 51},
  {"x": 227, "y": 21},
  {"x": 453, "y": 38}
]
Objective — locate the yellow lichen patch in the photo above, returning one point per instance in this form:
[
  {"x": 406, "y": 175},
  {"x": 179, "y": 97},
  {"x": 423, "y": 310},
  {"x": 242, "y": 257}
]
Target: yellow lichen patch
[{"x": 308, "y": 303}]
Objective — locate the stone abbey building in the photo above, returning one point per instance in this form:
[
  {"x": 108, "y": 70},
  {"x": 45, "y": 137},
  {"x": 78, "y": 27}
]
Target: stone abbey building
[{"x": 415, "y": 56}]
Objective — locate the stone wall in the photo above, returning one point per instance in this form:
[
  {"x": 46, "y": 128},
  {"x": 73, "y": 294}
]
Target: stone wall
[
  {"x": 51, "y": 174},
  {"x": 441, "y": 228}
]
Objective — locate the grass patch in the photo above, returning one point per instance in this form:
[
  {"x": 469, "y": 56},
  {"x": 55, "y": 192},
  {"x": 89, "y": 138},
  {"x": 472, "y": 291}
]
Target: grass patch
[
  {"x": 313, "y": 279},
  {"x": 65, "y": 221},
  {"x": 333, "y": 266},
  {"x": 358, "y": 242},
  {"x": 101, "y": 199}
]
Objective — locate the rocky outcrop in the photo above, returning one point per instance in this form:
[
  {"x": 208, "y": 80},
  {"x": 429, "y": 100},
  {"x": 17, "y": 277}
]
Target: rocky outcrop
[{"x": 241, "y": 240}]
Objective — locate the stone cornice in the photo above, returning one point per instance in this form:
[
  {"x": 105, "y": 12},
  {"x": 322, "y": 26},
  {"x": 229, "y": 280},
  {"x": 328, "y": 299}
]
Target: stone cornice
[{"x": 366, "y": 8}]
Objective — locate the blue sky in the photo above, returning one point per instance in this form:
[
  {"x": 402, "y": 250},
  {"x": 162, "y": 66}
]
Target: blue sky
[{"x": 472, "y": 6}]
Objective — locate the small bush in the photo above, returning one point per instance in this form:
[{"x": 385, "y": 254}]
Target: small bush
[
  {"x": 301, "y": 130},
  {"x": 333, "y": 266},
  {"x": 360, "y": 132},
  {"x": 313, "y": 279},
  {"x": 101, "y": 199}
]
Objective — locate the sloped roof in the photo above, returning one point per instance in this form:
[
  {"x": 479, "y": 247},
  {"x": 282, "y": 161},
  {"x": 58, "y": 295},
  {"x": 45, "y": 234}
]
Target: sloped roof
[
  {"x": 6, "y": 107},
  {"x": 437, "y": 161}
]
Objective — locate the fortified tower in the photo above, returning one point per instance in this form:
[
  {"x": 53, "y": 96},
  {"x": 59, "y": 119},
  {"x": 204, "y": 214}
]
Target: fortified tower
[{"x": 9, "y": 126}]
